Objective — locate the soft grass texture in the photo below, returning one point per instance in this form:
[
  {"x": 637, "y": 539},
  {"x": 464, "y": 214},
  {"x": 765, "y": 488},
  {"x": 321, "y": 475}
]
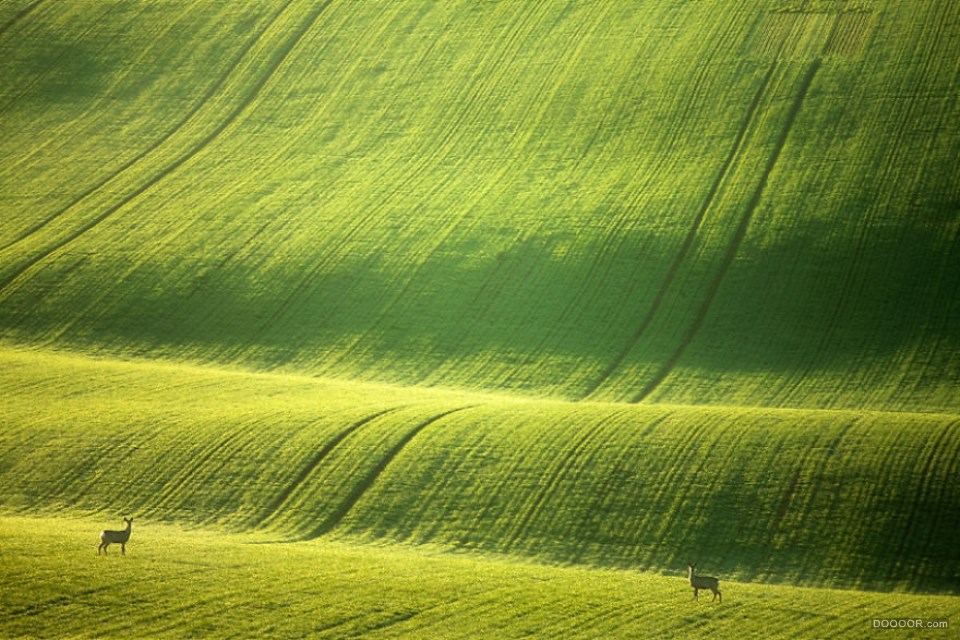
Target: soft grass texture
[
  {"x": 721, "y": 201},
  {"x": 605, "y": 286},
  {"x": 176, "y": 583},
  {"x": 823, "y": 498}
]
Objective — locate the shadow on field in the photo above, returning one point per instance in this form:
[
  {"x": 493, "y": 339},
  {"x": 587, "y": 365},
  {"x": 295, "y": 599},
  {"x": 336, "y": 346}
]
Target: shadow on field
[
  {"x": 59, "y": 67},
  {"x": 820, "y": 293}
]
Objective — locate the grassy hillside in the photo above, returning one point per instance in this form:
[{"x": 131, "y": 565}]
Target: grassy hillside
[
  {"x": 819, "y": 498},
  {"x": 608, "y": 285},
  {"x": 727, "y": 202},
  {"x": 175, "y": 583}
]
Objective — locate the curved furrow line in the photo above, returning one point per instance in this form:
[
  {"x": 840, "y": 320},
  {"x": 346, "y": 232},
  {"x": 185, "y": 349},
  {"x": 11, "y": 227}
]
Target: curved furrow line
[
  {"x": 924, "y": 486},
  {"x": 464, "y": 107},
  {"x": 705, "y": 64},
  {"x": 845, "y": 297},
  {"x": 798, "y": 464},
  {"x": 178, "y": 126},
  {"x": 614, "y": 237},
  {"x": 939, "y": 20},
  {"x": 552, "y": 87},
  {"x": 96, "y": 300},
  {"x": 281, "y": 307},
  {"x": 587, "y": 285},
  {"x": 20, "y": 15},
  {"x": 81, "y": 123},
  {"x": 561, "y": 466},
  {"x": 549, "y": 88},
  {"x": 668, "y": 468},
  {"x": 527, "y": 483},
  {"x": 106, "y": 467},
  {"x": 952, "y": 275},
  {"x": 944, "y": 508},
  {"x": 626, "y": 202},
  {"x": 841, "y": 305},
  {"x": 452, "y": 132},
  {"x": 892, "y": 171},
  {"x": 277, "y": 60},
  {"x": 162, "y": 462},
  {"x": 688, "y": 474},
  {"x": 822, "y": 471},
  {"x": 661, "y": 461},
  {"x": 694, "y": 231},
  {"x": 930, "y": 336},
  {"x": 199, "y": 461},
  {"x": 704, "y": 497},
  {"x": 734, "y": 246},
  {"x": 611, "y": 467},
  {"x": 681, "y": 256},
  {"x": 276, "y": 506},
  {"x": 353, "y": 497},
  {"x": 78, "y": 466},
  {"x": 842, "y": 302},
  {"x": 314, "y": 275}
]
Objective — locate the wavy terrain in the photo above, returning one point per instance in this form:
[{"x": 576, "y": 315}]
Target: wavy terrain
[{"x": 609, "y": 285}]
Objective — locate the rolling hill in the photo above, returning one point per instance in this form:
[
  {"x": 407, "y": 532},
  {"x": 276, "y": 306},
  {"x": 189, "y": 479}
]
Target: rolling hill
[{"x": 610, "y": 285}]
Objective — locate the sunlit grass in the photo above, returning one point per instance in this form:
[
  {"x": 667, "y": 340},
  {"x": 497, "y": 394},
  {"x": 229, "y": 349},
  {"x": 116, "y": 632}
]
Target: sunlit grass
[
  {"x": 416, "y": 295},
  {"x": 697, "y": 202},
  {"x": 820, "y": 498},
  {"x": 176, "y": 582}
]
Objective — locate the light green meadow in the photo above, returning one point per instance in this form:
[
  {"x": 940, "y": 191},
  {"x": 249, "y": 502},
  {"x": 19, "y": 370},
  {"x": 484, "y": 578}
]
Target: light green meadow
[{"x": 479, "y": 319}]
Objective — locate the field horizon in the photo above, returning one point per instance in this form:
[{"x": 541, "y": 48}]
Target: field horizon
[{"x": 577, "y": 292}]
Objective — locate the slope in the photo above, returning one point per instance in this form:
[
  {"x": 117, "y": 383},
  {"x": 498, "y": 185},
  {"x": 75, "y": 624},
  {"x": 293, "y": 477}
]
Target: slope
[
  {"x": 215, "y": 585},
  {"x": 720, "y": 202},
  {"x": 820, "y": 498}
]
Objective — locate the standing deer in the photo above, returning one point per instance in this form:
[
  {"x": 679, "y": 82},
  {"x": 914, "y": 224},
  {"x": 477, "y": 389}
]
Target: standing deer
[
  {"x": 107, "y": 537},
  {"x": 703, "y": 582}
]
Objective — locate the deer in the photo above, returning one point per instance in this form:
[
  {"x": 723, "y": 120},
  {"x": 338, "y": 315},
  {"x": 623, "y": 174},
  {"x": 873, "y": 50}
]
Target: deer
[
  {"x": 108, "y": 537},
  {"x": 703, "y": 582}
]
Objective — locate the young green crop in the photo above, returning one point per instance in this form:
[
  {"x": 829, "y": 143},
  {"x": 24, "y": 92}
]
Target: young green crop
[
  {"x": 723, "y": 202},
  {"x": 823, "y": 498},
  {"x": 607, "y": 284},
  {"x": 177, "y": 582}
]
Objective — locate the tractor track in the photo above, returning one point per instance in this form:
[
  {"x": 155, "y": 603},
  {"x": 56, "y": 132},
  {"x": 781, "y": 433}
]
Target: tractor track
[
  {"x": 734, "y": 245},
  {"x": 353, "y": 497},
  {"x": 280, "y": 55}
]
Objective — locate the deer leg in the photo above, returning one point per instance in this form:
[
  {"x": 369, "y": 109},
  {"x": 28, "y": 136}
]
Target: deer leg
[
  {"x": 695, "y": 594},
  {"x": 123, "y": 549}
]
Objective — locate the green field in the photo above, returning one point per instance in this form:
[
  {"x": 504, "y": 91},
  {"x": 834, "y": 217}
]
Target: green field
[
  {"x": 342, "y": 589},
  {"x": 479, "y": 319}
]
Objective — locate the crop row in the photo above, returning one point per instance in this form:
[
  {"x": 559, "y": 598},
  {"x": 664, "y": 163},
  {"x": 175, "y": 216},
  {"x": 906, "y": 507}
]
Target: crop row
[
  {"x": 665, "y": 201},
  {"x": 177, "y": 583},
  {"x": 809, "y": 497}
]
